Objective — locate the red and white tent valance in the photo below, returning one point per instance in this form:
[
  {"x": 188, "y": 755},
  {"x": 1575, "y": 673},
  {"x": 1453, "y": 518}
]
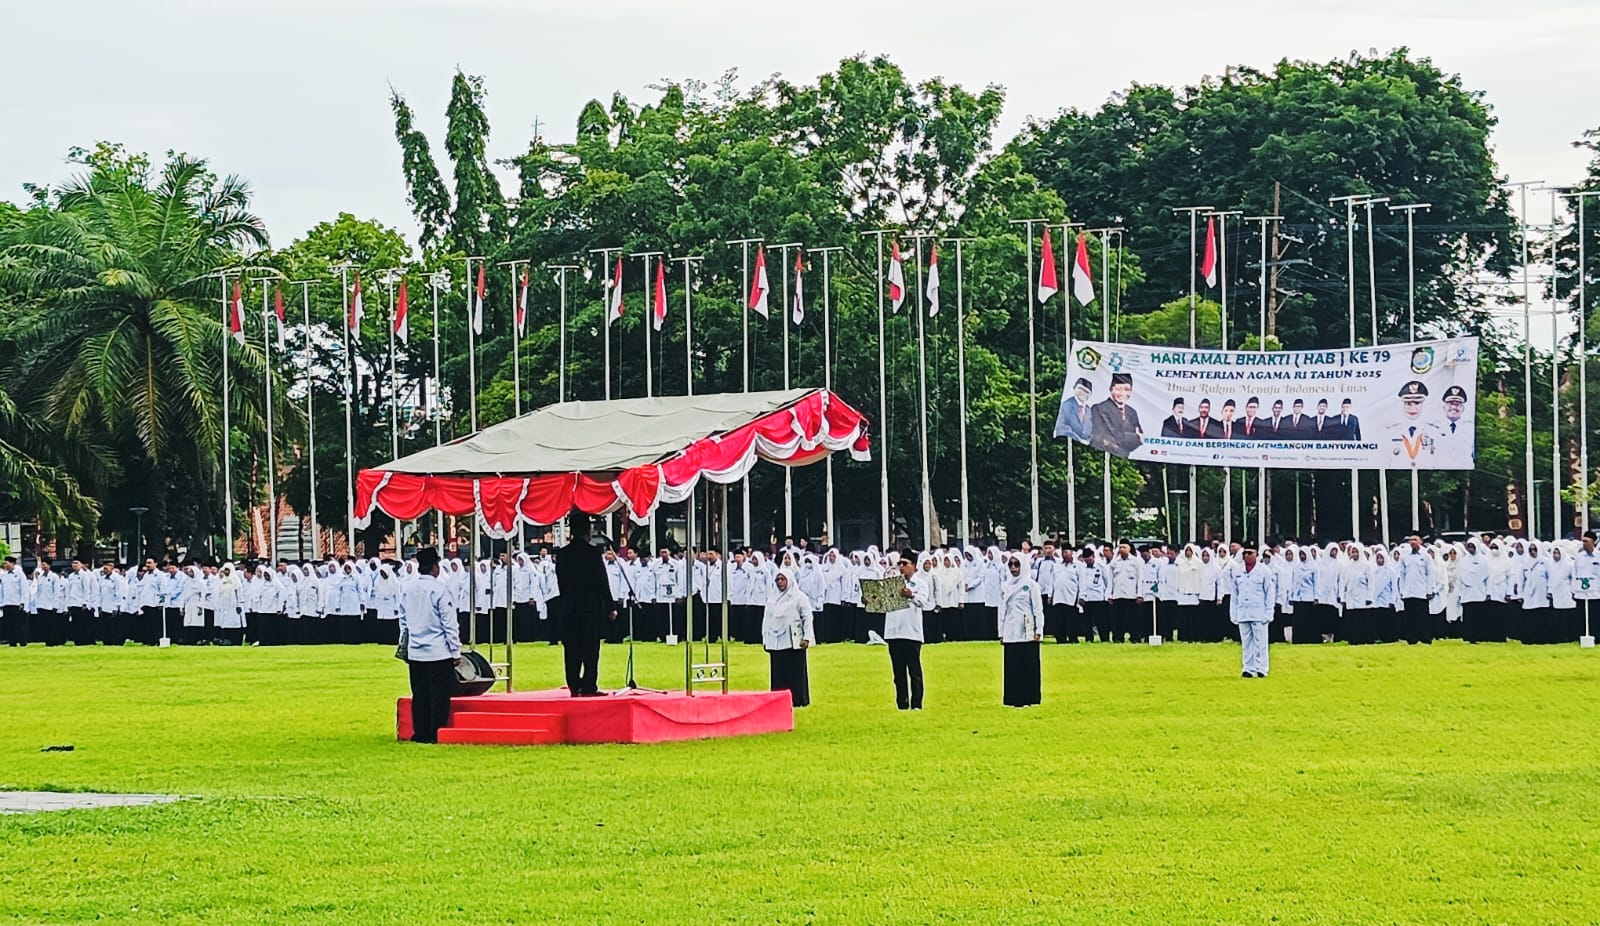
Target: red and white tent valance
[{"x": 601, "y": 456}]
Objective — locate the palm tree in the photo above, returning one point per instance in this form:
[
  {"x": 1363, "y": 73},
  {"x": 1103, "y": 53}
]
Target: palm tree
[
  {"x": 120, "y": 330},
  {"x": 30, "y": 482}
]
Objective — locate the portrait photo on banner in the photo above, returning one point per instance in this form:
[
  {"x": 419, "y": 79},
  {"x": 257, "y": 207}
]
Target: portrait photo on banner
[{"x": 1393, "y": 406}]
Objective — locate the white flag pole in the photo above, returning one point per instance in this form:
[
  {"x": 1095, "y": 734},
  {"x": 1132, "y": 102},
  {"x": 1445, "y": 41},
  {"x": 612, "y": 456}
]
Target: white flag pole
[
  {"x": 227, "y": 424},
  {"x": 1064, "y": 281},
  {"x": 883, "y": 401},
  {"x": 783, "y": 317},
  {"x": 1029, "y": 294},
  {"x": 605, "y": 326},
  {"x": 961, "y": 386},
  {"x": 1261, "y": 345},
  {"x": 1372, "y": 290},
  {"x": 311, "y": 426},
  {"x": 688, "y": 320},
  {"x": 744, "y": 322},
  {"x": 516, "y": 335},
  {"x": 648, "y": 318},
  {"x": 438, "y": 280},
  {"x": 561, "y": 351},
  {"x": 272, "y": 468},
  {"x": 1578, "y": 197},
  {"x": 1222, "y": 281},
  {"x": 922, "y": 393},
  {"x": 828, "y": 523},
  {"x": 349, "y": 397},
  {"x": 1194, "y": 298}
]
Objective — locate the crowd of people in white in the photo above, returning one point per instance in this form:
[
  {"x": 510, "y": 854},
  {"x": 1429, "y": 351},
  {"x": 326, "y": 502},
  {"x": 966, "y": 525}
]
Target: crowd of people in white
[{"x": 1483, "y": 589}]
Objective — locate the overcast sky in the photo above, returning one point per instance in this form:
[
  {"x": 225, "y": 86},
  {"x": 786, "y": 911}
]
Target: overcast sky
[{"x": 292, "y": 94}]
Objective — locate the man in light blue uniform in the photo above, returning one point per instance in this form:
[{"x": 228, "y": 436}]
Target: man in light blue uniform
[
  {"x": 1252, "y": 589},
  {"x": 433, "y": 647}
]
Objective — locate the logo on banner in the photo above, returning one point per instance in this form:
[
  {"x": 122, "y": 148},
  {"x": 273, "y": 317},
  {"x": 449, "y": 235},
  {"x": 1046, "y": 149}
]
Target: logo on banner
[
  {"x": 1115, "y": 361},
  {"x": 1088, "y": 358},
  {"x": 1422, "y": 360}
]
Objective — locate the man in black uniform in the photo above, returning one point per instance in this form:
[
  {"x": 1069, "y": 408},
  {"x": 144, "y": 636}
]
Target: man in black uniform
[{"x": 586, "y": 594}]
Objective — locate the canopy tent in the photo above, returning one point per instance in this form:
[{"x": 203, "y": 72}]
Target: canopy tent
[{"x": 602, "y": 456}]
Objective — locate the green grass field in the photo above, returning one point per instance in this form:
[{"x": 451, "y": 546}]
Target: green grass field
[{"x": 1451, "y": 784}]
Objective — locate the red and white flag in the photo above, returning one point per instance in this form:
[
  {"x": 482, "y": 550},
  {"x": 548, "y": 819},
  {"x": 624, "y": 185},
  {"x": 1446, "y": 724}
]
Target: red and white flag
[
  {"x": 522, "y": 303},
  {"x": 932, "y": 289},
  {"x": 236, "y": 315},
  {"x": 277, "y": 311},
  {"x": 353, "y": 323},
  {"x": 661, "y": 296},
  {"x": 797, "y": 306},
  {"x": 897, "y": 278},
  {"x": 1082, "y": 279},
  {"x": 1047, "y": 268},
  {"x": 402, "y": 327},
  {"x": 1208, "y": 265},
  {"x": 477, "y": 303},
  {"x": 759, "y": 287},
  {"x": 614, "y": 297}
]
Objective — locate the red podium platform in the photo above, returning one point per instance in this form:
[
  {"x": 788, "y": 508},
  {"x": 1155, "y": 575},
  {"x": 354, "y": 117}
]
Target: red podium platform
[{"x": 527, "y": 718}]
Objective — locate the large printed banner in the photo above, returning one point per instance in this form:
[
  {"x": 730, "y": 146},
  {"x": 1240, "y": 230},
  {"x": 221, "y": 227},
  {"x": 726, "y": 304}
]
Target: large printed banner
[{"x": 1396, "y": 406}]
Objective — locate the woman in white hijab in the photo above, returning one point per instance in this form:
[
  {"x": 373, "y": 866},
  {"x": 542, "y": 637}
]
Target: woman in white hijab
[
  {"x": 193, "y": 605},
  {"x": 787, "y": 631},
  {"x": 1492, "y": 629},
  {"x": 1021, "y": 629},
  {"x": 1189, "y": 577},
  {"x": 230, "y": 607},
  {"x": 1563, "y": 606},
  {"x": 1533, "y": 623}
]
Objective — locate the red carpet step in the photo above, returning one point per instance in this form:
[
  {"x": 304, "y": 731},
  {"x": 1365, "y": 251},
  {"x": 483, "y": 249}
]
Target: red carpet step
[{"x": 528, "y": 718}]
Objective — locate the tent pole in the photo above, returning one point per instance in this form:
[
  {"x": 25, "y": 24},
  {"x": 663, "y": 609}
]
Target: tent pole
[
  {"x": 688, "y": 599},
  {"x": 511, "y": 598},
  {"x": 724, "y": 524}
]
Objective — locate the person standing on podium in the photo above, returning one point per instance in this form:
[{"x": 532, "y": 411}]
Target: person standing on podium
[
  {"x": 586, "y": 591},
  {"x": 433, "y": 647}
]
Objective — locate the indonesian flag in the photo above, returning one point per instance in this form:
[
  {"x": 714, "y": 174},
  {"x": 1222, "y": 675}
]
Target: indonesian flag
[
  {"x": 661, "y": 296},
  {"x": 1082, "y": 279},
  {"x": 897, "y": 278},
  {"x": 402, "y": 328},
  {"x": 1208, "y": 264},
  {"x": 477, "y": 304},
  {"x": 236, "y": 315},
  {"x": 614, "y": 298},
  {"x": 933, "y": 283},
  {"x": 759, "y": 287},
  {"x": 277, "y": 311},
  {"x": 354, "y": 321},
  {"x": 1047, "y": 268},
  {"x": 522, "y": 303},
  {"x": 797, "y": 309}
]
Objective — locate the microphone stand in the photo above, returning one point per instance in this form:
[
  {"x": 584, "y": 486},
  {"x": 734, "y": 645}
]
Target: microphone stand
[{"x": 631, "y": 683}]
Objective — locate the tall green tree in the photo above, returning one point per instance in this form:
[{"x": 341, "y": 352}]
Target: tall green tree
[{"x": 1284, "y": 141}]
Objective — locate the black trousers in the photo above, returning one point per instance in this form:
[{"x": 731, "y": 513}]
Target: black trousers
[
  {"x": 83, "y": 630},
  {"x": 905, "y": 659},
  {"x": 581, "y": 652},
  {"x": 1418, "y": 622},
  {"x": 149, "y": 626},
  {"x": 1022, "y": 685},
  {"x": 14, "y": 625},
  {"x": 789, "y": 674},
  {"x": 432, "y": 684}
]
